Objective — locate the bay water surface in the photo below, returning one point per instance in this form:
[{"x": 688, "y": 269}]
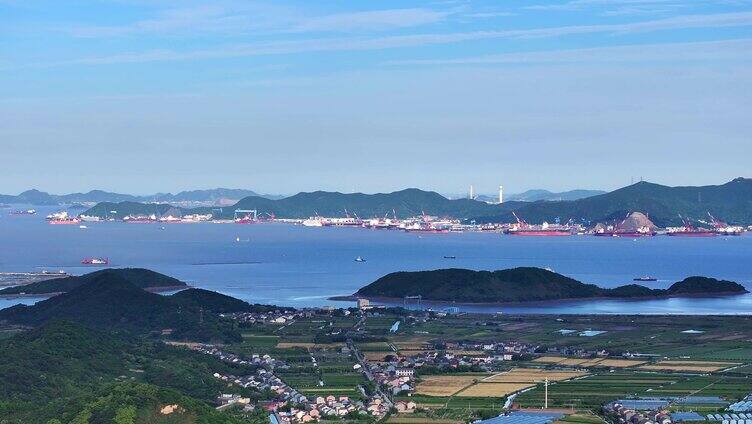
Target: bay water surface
[{"x": 299, "y": 266}]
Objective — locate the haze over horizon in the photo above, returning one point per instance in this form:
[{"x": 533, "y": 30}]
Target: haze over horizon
[{"x": 142, "y": 97}]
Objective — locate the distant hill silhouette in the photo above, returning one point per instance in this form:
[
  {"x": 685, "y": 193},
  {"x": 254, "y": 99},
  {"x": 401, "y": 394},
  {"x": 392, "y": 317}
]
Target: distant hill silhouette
[
  {"x": 524, "y": 284},
  {"x": 538, "y": 195},
  {"x": 139, "y": 277},
  {"x": 40, "y": 198}
]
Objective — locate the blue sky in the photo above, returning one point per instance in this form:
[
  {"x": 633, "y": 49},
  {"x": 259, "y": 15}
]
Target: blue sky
[{"x": 142, "y": 96}]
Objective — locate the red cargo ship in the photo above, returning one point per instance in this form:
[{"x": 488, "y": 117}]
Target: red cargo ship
[
  {"x": 545, "y": 230},
  {"x": 632, "y": 234},
  {"x": 64, "y": 221}
]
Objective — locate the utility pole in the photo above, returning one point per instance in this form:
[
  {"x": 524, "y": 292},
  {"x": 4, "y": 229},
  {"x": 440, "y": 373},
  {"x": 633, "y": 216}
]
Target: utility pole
[{"x": 546, "y": 396}]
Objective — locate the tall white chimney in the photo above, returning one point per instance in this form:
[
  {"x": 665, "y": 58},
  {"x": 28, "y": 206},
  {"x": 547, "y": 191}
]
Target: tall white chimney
[
  {"x": 472, "y": 195},
  {"x": 501, "y": 194}
]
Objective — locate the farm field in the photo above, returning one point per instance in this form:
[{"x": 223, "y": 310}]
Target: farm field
[
  {"x": 588, "y": 363},
  {"x": 445, "y": 385},
  {"x": 593, "y": 391},
  {"x": 531, "y": 375},
  {"x": 493, "y": 389},
  {"x": 699, "y": 366}
]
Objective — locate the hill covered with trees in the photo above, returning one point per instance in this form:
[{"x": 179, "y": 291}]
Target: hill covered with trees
[
  {"x": 109, "y": 300},
  {"x": 139, "y": 277},
  {"x": 524, "y": 284}
]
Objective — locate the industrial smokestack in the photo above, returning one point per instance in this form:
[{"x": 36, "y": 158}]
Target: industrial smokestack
[{"x": 501, "y": 194}]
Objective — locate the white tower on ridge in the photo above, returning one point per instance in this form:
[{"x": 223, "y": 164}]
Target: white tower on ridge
[
  {"x": 501, "y": 194},
  {"x": 472, "y": 193}
]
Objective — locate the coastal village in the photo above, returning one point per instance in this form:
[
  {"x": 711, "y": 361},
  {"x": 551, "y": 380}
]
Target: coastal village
[{"x": 379, "y": 364}]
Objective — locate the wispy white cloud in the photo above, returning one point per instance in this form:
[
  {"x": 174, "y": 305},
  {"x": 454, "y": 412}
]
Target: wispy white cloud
[
  {"x": 371, "y": 20},
  {"x": 203, "y": 18},
  {"x": 705, "y": 51},
  {"x": 584, "y": 4},
  {"x": 250, "y": 18},
  {"x": 402, "y": 41},
  {"x": 487, "y": 15}
]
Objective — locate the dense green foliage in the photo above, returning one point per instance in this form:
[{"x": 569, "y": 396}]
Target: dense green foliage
[
  {"x": 110, "y": 301},
  {"x": 211, "y": 301},
  {"x": 67, "y": 371},
  {"x": 694, "y": 285},
  {"x": 731, "y": 202},
  {"x": 522, "y": 285},
  {"x": 140, "y": 277}
]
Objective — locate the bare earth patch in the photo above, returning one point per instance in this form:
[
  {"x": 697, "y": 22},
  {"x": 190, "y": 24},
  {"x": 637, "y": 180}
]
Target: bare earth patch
[
  {"x": 493, "y": 389},
  {"x": 445, "y": 385}
]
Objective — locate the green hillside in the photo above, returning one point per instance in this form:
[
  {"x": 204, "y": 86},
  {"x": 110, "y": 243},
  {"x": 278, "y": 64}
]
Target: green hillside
[
  {"x": 731, "y": 202},
  {"x": 139, "y": 277},
  {"x": 525, "y": 284},
  {"x": 111, "y": 301},
  {"x": 67, "y": 371},
  {"x": 210, "y": 301}
]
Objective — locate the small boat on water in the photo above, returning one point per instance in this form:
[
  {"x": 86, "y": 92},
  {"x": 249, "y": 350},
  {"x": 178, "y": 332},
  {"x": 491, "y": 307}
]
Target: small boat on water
[
  {"x": 359, "y": 259},
  {"x": 95, "y": 261},
  {"x": 645, "y": 278},
  {"x": 450, "y": 257},
  {"x": 83, "y": 227}
]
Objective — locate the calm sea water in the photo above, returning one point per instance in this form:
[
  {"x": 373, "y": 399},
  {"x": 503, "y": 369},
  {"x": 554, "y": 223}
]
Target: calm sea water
[{"x": 298, "y": 266}]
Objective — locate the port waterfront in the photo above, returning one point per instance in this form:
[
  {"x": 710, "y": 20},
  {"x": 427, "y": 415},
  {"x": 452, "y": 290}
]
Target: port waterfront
[{"x": 305, "y": 266}]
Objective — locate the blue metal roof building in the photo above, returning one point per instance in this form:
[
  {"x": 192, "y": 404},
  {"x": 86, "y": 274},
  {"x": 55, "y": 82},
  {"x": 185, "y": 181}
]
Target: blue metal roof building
[
  {"x": 518, "y": 417},
  {"x": 687, "y": 416}
]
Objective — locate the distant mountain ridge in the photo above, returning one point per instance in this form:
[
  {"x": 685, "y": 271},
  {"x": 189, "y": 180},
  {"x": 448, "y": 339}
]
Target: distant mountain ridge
[
  {"x": 525, "y": 284},
  {"x": 403, "y": 203},
  {"x": 537, "y": 195},
  {"x": 40, "y": 198},
  {"x": 730, "y": 202}
]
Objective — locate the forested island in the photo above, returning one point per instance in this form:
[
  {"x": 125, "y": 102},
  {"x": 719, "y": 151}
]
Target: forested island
[{"x": 526, "y": 284}]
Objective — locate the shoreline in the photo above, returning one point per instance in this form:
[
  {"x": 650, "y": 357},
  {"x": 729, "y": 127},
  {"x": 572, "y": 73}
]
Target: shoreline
[{"x": 549, "y": 302}]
